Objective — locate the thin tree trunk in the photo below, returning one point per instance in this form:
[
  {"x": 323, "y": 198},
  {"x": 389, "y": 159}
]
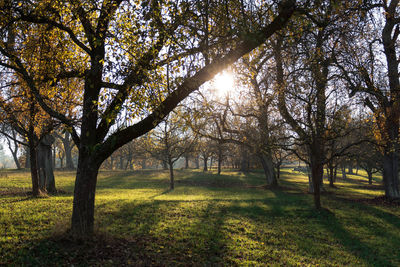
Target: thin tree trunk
[
  {"x": 186, "y": 162},
  {"x": 330, "y": 175},
  {"x": 369, "y": 172},
  {"x": 205, "y": 160},
  {"x": 34, "y": 170},
  {"x": 171, "y": 174},
  {"x": 68, "y": 145}
]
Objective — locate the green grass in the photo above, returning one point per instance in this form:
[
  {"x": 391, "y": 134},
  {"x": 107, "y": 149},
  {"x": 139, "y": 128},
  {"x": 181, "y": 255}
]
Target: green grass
[{"x": 207, "y": 220}]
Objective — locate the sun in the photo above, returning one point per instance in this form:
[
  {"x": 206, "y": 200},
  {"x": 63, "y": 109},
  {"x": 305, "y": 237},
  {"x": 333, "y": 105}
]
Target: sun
[{"x": 223, "y": 83}]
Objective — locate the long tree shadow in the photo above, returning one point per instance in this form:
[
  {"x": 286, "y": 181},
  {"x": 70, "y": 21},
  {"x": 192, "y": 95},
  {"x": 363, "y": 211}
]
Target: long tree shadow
[{"x": 352, "y": 243}]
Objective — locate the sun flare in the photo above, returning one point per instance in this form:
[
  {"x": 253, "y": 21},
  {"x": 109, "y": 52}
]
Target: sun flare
[{"x": 223, "y": 83}]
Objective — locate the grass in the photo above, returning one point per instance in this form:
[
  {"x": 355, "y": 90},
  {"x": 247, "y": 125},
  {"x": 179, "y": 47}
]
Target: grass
[{"x": 207, "y": 220}]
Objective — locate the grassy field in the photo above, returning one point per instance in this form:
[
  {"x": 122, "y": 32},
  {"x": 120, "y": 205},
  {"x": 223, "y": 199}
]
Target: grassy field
[{"x": 207, "y": 220}]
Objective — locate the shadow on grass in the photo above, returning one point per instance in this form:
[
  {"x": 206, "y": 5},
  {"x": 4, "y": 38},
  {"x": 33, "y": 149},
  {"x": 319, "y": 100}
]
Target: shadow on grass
[
  {"x": 351, "y": 242},
  {"x": 194, "y": 232}
]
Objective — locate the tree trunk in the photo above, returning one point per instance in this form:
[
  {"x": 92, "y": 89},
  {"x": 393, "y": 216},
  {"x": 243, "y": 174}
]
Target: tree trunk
[
  {"x": 220, "y": 156},
  {"x": 391, "y": 175},
  {"x": 45, "y": 165},
  {"x": 15, "y": 157},
  {"x": 171, "y": 175},
  {"x": 350, "y": 168},
  {"x": 369, "y": 172},
  {"x": 165, "y": 164},
  {"x": 196, "y": 162},
  {"x": 121, "y": 163},
  {"x": 330, "y": 175},
  {"x": 269, "y": 170},
  {"x": 186, "y": 162},
  {"x": 84, "y": 197},
  {"x": 34, "y": 170},
  {"x": 205, "y": 160},
  {"x": 317, "y": 171},
  {"x": 67, "y": 143},
  {"x": 53, "y": 156},
  {"x": 343, "y": 168},
  {"x": 335, "y": 174}
]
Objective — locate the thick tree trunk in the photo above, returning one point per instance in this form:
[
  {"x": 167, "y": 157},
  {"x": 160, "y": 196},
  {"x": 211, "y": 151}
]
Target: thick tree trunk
[
  {"x": 45, "y": 165},
  {"x": 391, "y": 175},
  {"x": 197, "y": 162},
  {"x": 84, "y": 197},
  {"x": 269, "y": 171},
  {"x": 317, "y": 171}
]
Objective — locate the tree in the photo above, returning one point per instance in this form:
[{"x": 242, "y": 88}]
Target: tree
[
  {"x": 170, "y": 141},
  {"x": 306, "y": 79},
  {"x": 371, "y": 69},
  {"x": 121, "y": 48}
]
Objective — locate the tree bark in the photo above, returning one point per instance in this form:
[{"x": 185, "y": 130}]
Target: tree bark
[
  {"x": 205, "y": 162},
  {"x": 369, "y": 172},
  {"x": 269, "y": 170},
  {"x": 186, "y": 162},
  {"x": 220, "y": 157},
  {"x": 45, "y": 165},
  {"x": 34, "y": 170},
  {"x": 84, "y": 197},
  {"x": 67, "y": 143},
  {"x": 390, "y": 175},
  {"x": 171, "y": 175}
]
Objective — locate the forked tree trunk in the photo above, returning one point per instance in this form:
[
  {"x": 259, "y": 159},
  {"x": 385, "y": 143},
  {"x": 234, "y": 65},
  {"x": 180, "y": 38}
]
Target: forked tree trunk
[{"x": 269, "y": 171}]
